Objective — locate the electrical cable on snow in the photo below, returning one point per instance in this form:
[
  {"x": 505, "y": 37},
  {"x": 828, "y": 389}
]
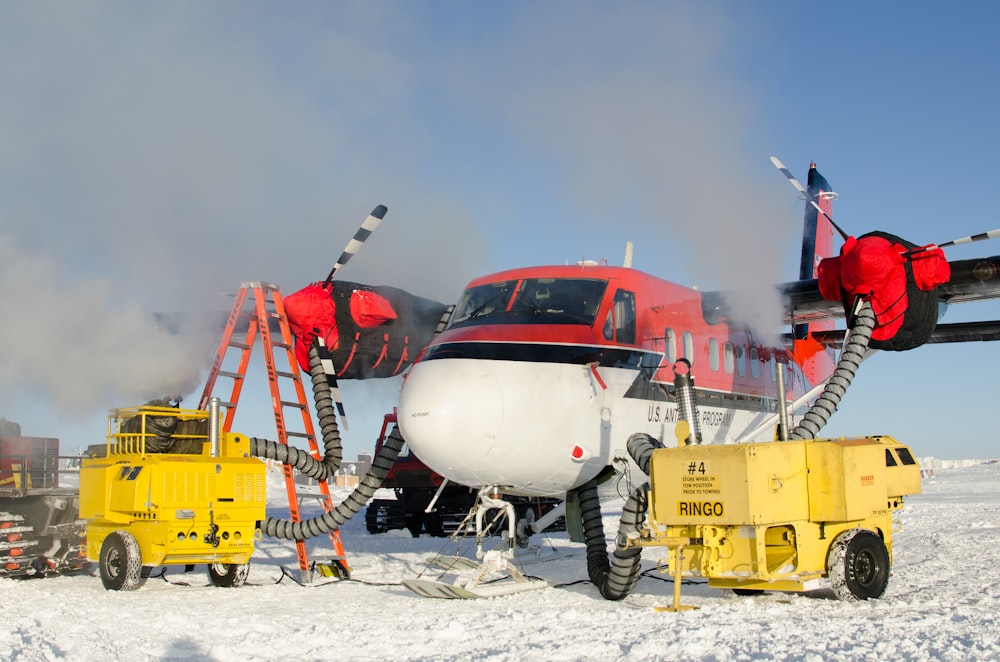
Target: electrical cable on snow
[{"x": 340, "y": 580}]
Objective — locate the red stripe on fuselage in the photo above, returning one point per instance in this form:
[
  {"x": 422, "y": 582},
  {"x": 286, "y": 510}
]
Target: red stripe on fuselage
[{"x": 661, "y": 307}]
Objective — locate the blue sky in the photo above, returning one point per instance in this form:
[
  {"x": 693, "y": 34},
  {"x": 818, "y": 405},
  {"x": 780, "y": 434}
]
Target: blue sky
[{"x": 153, "y": 156}]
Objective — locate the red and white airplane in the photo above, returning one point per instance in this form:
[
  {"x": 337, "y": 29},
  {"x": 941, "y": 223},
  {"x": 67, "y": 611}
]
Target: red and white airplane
[{"x": 542, "y": 374}]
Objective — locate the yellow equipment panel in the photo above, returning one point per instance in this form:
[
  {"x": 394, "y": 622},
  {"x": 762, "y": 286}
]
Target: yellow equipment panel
[
  {"x": 199, "y": 500},
  {"x": 778, "y": 515},
  {"x": 729, "y": 485}
]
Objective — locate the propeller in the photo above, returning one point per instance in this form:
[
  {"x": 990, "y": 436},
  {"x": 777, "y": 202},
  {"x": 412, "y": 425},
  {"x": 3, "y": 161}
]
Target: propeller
[
  {"x": 805, "y": 194},
  {"x": 365, "y": 231},
  {"x": 920, "y": 249},
  {"x": 955, "y": 242},
  {"x": 353, "y": 246}
]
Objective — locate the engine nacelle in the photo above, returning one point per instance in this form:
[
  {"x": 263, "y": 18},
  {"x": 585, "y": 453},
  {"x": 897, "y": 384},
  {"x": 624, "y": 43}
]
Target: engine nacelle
[{"x": 900, "y": 285}]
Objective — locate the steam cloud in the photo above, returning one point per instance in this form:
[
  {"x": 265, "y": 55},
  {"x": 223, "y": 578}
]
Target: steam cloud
[
  {"x": 73, "y": 345},
  {"x": 157, "y": 155}
]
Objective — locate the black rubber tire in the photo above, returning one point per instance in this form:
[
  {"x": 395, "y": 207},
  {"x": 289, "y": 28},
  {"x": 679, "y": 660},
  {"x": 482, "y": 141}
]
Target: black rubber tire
[
  {"x": 415, "y": 523},
  {"x": 858, "y": 565},
  {"x": 228, "y": 575},
  {"x": 120, "y": 562},
  {"x": 747, "y": 592},
  {"x": 375, "y": 519},
  {"x": 434, "y": 525}
]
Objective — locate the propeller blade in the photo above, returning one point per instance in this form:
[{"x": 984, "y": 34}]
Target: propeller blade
[
  {"x": 968, "y": 240},
  {"x": 955, "y": 242},
  {"x": 326, "y": 360},
  {"x": 360, "y": 237},
  {"x": 805, "y": 194}
]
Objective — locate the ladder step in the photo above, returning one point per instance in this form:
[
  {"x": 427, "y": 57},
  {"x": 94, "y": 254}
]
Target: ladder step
[{"x": 257, "y": 316}]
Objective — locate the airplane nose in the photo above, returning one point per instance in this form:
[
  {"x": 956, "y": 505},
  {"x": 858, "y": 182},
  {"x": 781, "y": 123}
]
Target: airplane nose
[{"x": 451, "y": 399}]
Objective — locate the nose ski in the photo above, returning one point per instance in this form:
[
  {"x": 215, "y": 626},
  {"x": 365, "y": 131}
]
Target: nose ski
[{"x": 493, "y": 576}]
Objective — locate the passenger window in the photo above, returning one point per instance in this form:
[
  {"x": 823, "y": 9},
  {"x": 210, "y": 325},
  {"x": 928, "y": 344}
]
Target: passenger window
[
  {"x": 727, "y": 357},
  {"x": 741, "y": 360},
  {"x": 713, "y": 354},
  {"x": 688, "y": 346},
  {"x": 754, "y": 363},
  {"x": 670, "y": 337}
]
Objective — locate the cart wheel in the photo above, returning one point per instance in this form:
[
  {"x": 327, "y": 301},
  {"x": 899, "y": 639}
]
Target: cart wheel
[
  {"x": 228, "y": 575},
  {"x": 745, "y": 592},
  {"x": 120, "y": 562},
  {"x": 858, "y": 565}
]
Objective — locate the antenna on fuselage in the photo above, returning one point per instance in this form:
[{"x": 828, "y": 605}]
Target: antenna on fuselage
[{"x": 629, "y": 248}]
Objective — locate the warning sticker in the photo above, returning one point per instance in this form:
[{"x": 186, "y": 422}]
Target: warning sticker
[{"x": 701, "y": 485}]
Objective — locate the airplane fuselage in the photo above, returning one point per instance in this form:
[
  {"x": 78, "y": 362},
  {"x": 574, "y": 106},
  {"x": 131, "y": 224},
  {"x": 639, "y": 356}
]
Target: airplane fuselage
[{"x": 543, "y": 373}]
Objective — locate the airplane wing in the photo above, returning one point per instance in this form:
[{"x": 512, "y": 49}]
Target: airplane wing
[
  {"x": 907, "y": 286},
  {"x": 970, "y": 280},
  {"x": 943, "y": 333}
]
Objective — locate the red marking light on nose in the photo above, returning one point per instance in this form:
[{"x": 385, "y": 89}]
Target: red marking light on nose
[{"x": 577, "y": 453}]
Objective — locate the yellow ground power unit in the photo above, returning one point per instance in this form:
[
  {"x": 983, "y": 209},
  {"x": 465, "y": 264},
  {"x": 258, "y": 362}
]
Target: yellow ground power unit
[
  {"x": 784, "y": 515},
  {"x": 171, "y": 489}
]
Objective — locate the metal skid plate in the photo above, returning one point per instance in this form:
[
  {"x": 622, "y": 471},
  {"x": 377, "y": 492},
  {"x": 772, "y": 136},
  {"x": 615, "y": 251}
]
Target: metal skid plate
[{"x": 471, "y": 579}]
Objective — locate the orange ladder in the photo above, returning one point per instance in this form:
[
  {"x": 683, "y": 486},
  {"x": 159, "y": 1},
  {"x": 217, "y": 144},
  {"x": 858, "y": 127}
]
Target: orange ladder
[{"x": 268, "y": 308}]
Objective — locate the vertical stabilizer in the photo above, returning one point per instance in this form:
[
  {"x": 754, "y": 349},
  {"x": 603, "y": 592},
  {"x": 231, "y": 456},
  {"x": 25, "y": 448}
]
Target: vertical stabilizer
[
  {"x": 818, "y": 242},
  {"x": 817, "y": 229}
]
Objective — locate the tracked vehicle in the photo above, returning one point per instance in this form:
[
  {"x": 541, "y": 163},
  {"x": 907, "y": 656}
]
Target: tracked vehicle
[{"x": 40, "y": 532}]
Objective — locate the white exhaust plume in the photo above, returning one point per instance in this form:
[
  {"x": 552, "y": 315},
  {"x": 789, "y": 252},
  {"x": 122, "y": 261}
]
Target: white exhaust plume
[
  {"x": 70, "y": 342},
  {"x": 172, "y": 153}
]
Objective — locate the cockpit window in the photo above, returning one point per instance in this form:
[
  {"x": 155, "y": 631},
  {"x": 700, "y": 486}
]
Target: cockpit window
[
  {"x": 620, "y": 323},
  {"x": 484, "y": 301},
  {"x": 531, "y": 301}
]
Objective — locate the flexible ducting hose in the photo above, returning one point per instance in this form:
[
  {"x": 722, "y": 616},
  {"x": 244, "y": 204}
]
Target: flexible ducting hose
[
  {"x": 687, "y": 410},
  {"x": 332, "y": 448},
  {"x": 847, "y": 366},
  {"x": 617, "y": 577},
  {"x": 353, "y": 504},
  {"x": 325, "y": 412},
  {"x": 321, "y": 470}
]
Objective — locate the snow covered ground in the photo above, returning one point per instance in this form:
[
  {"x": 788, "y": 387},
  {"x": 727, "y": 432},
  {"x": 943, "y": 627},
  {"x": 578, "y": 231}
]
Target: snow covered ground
[{"x": 941, "y": 604}]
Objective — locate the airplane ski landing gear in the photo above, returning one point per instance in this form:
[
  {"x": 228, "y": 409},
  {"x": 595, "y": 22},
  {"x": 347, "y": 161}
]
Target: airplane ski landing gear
[{"x": 494, "y": 576}]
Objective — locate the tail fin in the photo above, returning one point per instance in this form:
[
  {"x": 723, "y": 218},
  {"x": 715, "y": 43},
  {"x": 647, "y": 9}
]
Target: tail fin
[
  {"x": 817, "y": 230},
  {"x": 818, "y": 242}
]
